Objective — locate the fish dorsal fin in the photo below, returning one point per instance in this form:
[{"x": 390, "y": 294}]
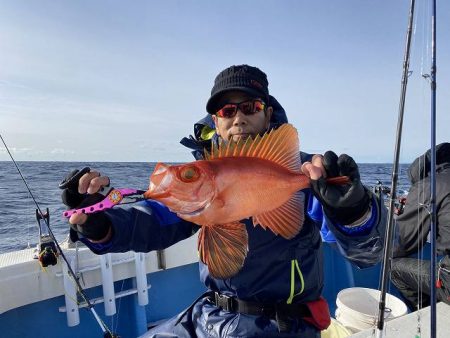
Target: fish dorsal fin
[
  {"x": 278, "y": 145},
  {"x": 223, "y": 248},
  {"x": 286, "y": 220}
]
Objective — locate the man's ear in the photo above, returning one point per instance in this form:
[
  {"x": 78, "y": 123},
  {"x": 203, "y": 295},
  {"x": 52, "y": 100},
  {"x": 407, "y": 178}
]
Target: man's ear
[
  {"x": 214, "y": 118},
  {"x": 268, "y": 113}
]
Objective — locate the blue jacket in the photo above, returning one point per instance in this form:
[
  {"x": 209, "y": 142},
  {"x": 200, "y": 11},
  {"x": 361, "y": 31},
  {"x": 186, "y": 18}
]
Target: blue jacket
[{"x": 272, "y": 262}]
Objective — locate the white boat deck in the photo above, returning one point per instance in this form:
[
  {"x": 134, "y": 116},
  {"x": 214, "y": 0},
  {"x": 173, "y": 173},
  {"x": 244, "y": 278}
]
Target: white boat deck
[
  {"x": 23, "y": 281},
  {"x": 406, "y": 326}
]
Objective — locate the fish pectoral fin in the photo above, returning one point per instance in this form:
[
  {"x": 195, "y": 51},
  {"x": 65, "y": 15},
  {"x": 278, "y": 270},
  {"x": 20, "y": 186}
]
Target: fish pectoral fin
[
  {"x": 223, "y": 247},
  {"x": 286, "y": 220}
]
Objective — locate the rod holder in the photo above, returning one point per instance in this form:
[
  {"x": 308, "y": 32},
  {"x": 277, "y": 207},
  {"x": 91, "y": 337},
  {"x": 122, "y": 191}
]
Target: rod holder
[
  {"x": 108, "y": 284},
  {"x": 141, "y": 279},
  {"x": 70, "y": 296}
]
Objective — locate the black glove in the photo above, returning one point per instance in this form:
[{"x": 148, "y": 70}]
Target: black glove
[
  {"x": 98, "y": 224},
  {"x": 342, "y": 203},
  {"x": 70, "y": 195}
]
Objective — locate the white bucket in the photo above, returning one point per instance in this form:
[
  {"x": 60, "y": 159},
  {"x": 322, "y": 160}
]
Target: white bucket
[{"x": 357, "y": 308}]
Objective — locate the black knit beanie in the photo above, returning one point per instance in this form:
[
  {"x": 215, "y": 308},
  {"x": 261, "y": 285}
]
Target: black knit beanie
[{"x": 245, "y": 78}]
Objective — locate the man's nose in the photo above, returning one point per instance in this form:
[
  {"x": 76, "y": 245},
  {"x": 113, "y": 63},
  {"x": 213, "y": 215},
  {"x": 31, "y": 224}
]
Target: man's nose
[{"x": 239, "y": 118}]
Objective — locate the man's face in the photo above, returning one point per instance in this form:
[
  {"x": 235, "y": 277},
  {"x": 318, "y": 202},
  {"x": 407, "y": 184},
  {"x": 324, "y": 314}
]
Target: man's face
[{"x": 240, "y": 125}]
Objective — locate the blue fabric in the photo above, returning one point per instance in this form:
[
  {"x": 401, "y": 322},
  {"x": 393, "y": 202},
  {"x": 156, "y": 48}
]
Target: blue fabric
[
  {"x": 98, "y": 248},
  {"x": 363, "y": 245},
  {"x": 315, "y": 211},
  {"x": 161, "y": 213},
  {"x": 363, "y": 228},
  {"x": 143, "y": 227}
]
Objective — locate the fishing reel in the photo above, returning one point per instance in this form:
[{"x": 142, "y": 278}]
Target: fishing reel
[
  {"x": 400, "y": 201},
  {"x": 400, "y": 205},
  {"x": 47, "y": 252}
]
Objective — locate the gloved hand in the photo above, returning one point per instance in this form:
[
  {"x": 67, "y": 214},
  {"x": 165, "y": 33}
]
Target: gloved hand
[
  {"x": 342, "y": 203},
  {"x": 80, "y": 189}
]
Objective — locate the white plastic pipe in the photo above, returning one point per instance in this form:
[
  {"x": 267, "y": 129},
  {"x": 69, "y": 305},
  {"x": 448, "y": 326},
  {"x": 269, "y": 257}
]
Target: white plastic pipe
[
  {"x": 141, "y": 279},
  {"x": 108, "y": 284},
  {"x": 70, "y": 296}
]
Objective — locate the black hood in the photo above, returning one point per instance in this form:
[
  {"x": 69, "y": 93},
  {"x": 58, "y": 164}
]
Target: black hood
[{"x": 421, "y": 166}]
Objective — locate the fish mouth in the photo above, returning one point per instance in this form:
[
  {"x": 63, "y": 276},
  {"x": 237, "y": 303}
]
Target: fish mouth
[
  {"x": 157, "y": 192},
  {"x": 156, "y": 195},
  {"x": 159, "y": 181}
]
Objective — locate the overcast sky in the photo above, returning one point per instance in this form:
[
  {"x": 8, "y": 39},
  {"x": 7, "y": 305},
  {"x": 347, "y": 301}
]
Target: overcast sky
[{"x": 125, "y": 80}]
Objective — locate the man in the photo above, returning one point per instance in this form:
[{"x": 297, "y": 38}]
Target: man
[
  {"x": 279, "y": 294},
  {"x": 410, "y": 275}
]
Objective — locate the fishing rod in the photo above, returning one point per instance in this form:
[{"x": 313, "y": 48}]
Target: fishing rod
[
  {"x": 107, "y": 333},
  {"x": 392, "y": 198},
  {"x": 433, "y": 174}
]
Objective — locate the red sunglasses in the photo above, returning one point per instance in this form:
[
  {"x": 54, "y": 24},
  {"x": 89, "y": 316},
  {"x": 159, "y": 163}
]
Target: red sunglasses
[{"x": 248, "y": 107}]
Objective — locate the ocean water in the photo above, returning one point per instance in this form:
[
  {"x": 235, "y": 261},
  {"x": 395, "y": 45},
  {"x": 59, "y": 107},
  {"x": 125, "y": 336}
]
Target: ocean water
[{"x": 18, "y": 225}]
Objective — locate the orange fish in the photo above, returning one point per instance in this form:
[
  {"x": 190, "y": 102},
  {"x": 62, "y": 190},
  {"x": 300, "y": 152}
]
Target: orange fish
[{"x": 258, "y": 178}]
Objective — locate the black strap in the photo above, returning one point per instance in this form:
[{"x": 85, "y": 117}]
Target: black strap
[
  {"x": 233, "y": 304},
  {"x": 283, "y": 313}
]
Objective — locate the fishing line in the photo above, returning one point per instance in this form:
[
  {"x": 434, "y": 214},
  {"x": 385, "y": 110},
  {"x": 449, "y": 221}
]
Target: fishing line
[
  {"x": 80, "y": 275},
  {"x": 419, "y": 228},
  {"x": 421, "y": 207},
  {"x": 118, "y": 309},
  {"x": 421, "y": 188},
  {"x": 426, "y": 33},
  {"x": 107, "y": 333}
]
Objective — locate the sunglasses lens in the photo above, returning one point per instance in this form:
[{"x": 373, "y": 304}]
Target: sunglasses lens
[
  {"x": 246, "y": 107},
  {"x": 228, "y": 111},
  {"x": 258, "y": 106}
]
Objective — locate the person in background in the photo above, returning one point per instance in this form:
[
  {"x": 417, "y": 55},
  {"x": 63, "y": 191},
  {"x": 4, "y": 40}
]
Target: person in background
[
  {"x": 411, "y": 276},
  {"x": 273, "y": 295}
]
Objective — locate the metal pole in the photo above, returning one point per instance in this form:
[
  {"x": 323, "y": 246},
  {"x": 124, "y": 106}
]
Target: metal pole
[
  {"x": 393, "y": 195},
  {"x": 433, "y": 173}
]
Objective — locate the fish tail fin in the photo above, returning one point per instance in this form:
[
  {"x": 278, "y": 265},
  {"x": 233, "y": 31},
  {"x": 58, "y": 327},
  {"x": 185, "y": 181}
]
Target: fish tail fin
[{"x": 223, "y": 248}]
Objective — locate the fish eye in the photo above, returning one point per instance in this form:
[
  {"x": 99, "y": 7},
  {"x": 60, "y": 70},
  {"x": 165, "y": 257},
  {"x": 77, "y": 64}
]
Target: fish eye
[{"x": 189, "y": 174}]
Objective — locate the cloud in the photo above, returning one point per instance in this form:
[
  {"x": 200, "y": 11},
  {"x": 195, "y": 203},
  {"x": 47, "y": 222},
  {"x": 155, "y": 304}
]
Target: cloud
[
  {"x": 15, "y": 150},
  {"x": 61, "y": 151}
]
